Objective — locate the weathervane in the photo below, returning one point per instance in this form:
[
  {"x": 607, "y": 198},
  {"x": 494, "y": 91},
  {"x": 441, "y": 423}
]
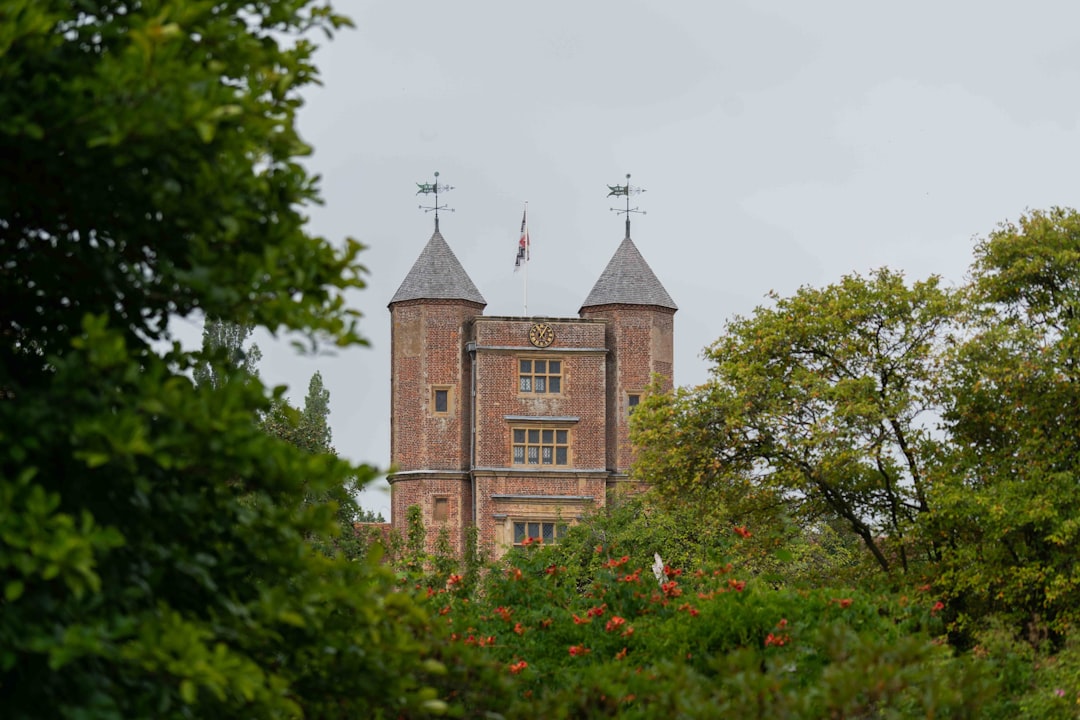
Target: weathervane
[
  {"x": 626, "y": 191},
  {"x": 435, "y": 188}
]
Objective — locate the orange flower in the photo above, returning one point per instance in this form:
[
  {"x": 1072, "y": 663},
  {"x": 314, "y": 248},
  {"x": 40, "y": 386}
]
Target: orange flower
[
  {"x": 777, "y": 640},
  {"x": 582, "y": 620},
  {"x": 621, "y": 654},
  {"x": 596, "y": 611},
  {"x": 614, "y": 623},
  {"x": 518, "y": 667},
  {"x": 576, "y": 650},
  {"x": 737, "y": 585},
  {"x": 741, "y": 531},
  {"x": 518, "y": 629}
]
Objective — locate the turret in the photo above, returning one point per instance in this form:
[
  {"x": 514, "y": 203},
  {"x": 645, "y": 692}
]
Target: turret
[
  {"x": 430, "y": 392},
  {"x": 640, "y": 319}
]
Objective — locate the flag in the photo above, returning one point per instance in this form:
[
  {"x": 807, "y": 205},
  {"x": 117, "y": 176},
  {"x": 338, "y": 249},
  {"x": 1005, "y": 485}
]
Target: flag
[{"x": 523, "y": 243}]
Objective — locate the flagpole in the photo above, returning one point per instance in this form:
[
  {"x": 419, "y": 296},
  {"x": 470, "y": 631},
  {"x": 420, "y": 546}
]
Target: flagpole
[{"x": 525, "y": 291}]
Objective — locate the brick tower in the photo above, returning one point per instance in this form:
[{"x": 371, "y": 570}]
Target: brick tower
[
  {"x": 430, "y": 389},
  {"x": 640, "y": 339},
  {"x": 517, "y": 425}
]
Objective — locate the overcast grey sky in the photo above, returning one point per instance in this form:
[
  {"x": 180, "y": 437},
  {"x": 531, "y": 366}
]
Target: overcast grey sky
[{"x": 781, "y": 143}]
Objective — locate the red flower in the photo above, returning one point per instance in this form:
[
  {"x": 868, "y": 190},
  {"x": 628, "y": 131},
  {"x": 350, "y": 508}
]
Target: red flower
[
  {"x": 621, "y": 654},
  {"x": 518, "y": 667},
  {"x": 453, "y": 580},
  {"x": 842, "y": 602},
  {"x": 778, "y": 640},
  {"x": 741, "y": 531},
  {"x": 518, "y": 629},
  {"x": 576, "y": 650},
  {"x": 736, "y": 585},
  {"x": 582, "y": 620},
  {"x": 938, "y": 606},
  {"x": 503, "y": 613},
  {"x": 614, "y": 623},
  {"x": 671, "y": 589}
]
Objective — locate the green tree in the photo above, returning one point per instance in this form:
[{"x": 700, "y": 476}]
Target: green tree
[
  {"x": 823, "y": 402},
  {"x": 316, "y": 414},
  {"x": 1009, "y": 490},
  {"x": 309, "y": 431},
  {"x": 223, "y": 348},
  {"x": 152, "y": 554}
]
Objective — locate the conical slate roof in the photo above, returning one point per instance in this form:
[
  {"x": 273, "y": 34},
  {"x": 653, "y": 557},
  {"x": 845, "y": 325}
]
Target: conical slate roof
[
  {"x": 437, "y": 275},
  {"x": 628, "y": 280}
]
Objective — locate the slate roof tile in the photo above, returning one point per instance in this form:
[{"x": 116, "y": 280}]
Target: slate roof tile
[
  {"x": 628, "y": 280},
  {"x": 437, "y": 275}
]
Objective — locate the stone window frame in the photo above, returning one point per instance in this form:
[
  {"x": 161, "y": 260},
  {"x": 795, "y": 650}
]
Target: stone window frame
[
  {"x": 546, "y": 376},
  {"x": 435, "y": 390},
  {"x": 527, "y": 433},
  {"x": 558, "y": 530}
]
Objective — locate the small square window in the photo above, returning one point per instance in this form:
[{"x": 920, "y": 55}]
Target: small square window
[
  {"x": 440, "y": 400},
  {"x": 632, "y": 401}
]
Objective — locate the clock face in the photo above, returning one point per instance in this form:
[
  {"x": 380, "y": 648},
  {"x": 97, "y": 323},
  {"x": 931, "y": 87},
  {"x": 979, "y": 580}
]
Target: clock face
[{"x": 541, "y": 335}]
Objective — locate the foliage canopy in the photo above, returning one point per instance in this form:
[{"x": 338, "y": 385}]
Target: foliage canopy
[{"x": 153, "y": 560}]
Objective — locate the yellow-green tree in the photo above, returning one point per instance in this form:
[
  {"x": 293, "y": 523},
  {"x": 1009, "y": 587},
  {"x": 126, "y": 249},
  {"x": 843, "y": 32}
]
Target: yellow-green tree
[
  {"x": 821, "y": 404},
  {"x": 1009, "y": 490}
]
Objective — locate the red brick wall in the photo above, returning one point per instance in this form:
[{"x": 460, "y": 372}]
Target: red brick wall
[
  {"x": 641, "y": 342},
  {"x": 610, "y": 351},
  {"x": 428, "y": 351},
  {"x": 501, "y": 343},
  {"x": 542, "y": 485},
  {"x": 421, "y": 490}
]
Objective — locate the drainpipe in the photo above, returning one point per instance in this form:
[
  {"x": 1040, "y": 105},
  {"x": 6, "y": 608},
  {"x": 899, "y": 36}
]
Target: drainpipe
[{"x": 470, "y": 347}]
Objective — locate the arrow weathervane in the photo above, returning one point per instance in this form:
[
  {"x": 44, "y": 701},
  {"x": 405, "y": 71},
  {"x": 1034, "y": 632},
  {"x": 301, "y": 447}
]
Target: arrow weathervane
[
  {"x": 434, "y": 188},
  {"x": 626, "y": 191}
]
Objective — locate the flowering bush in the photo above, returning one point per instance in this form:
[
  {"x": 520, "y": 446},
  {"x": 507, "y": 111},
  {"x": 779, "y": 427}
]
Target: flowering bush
[{"x": 631, "y": 644}]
